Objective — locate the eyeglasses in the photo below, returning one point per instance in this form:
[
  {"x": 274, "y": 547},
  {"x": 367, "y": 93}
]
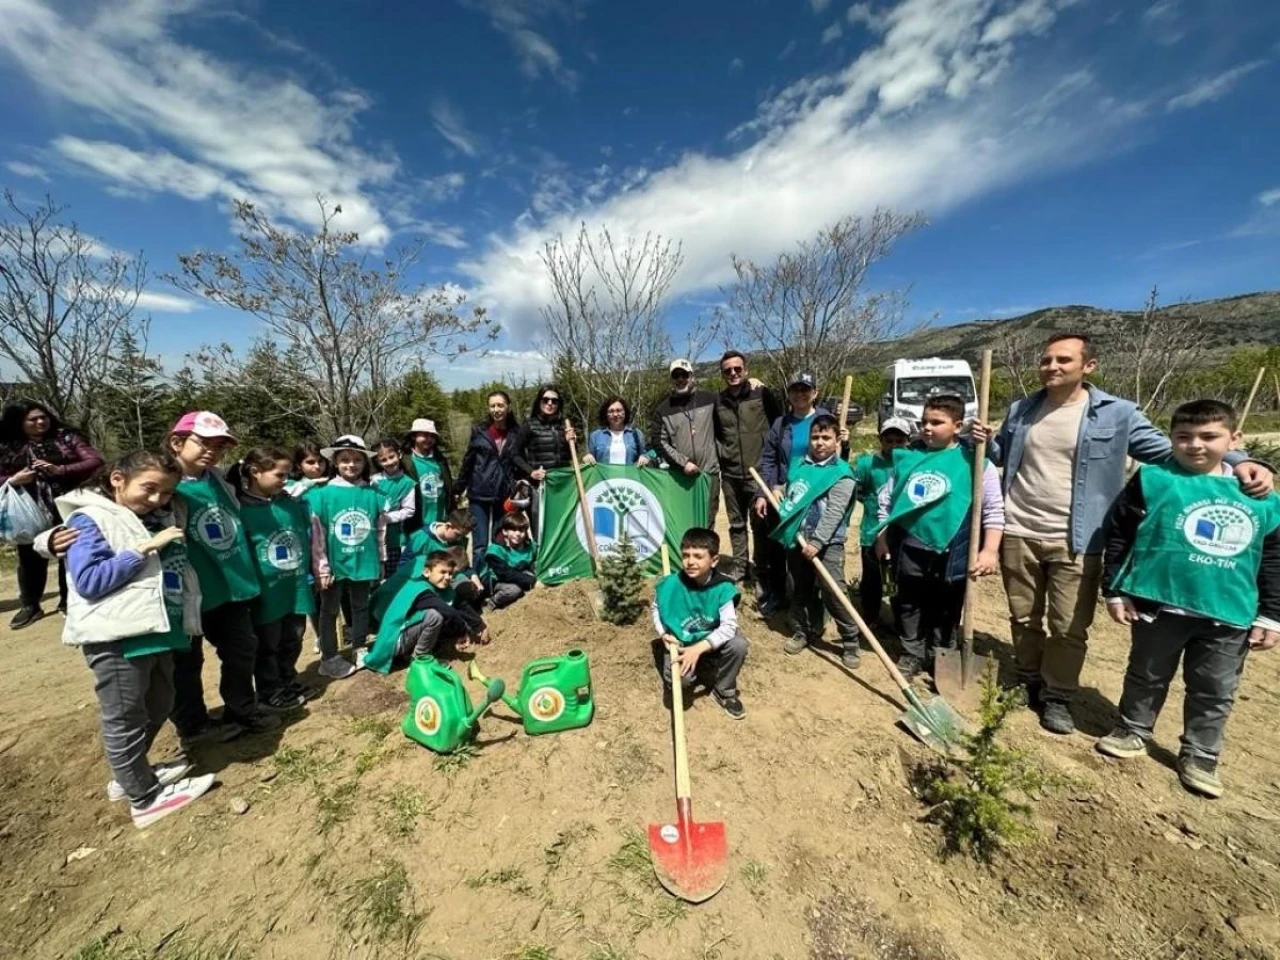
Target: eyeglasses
[
  {"x": 551, "y": 400},
  {"x": 213, "y": 443},
  {"x": 732, "y": 371}
]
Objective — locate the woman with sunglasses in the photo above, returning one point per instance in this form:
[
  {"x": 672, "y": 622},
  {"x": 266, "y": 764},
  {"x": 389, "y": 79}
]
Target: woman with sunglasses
[{"x": 543, "y": 442}]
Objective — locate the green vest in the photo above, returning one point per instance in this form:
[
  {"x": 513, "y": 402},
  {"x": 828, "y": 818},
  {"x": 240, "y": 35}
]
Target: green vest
[
  {"x": 690, "y": 613},
  {"x": 522, "y": 559},
  {"x": 349, "y": 518},
  {"x": 431, "y": 489},
  {"x": 173, "y": 563},
  {"x": 279, "y": 533},
  {"x": 216, "y": 544},
  {"x": 1200, "y": 545},
  {"x": 870, "y": 472},
  {"x": 422, "y": 542},
  {"x": 932, "y": 494},
  {"x": 393, "y": 490},
  {"x": 807, "y": 482},
  {"x": 392, "y": 608}
]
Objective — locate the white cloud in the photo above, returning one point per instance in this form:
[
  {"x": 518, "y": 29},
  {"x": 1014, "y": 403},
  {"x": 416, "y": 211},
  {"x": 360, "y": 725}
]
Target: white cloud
[
  {"x": 165, "y": 303},
  {"x": 1163, "y": 22},
  {"x": 1213, "y": 88},
  {"x": 472, "y": 369},
  {"x": 27, "y": 170},
  {"x": 832, "y": 33},
  {"x": 736, "y": 66},
  {"x": 225, "y": 128},
  {"x": 1269, "y": 197},
  {"x": 819, "y": 5},
  {"x": 444, "y": 187},
  {"x": 516, "y": 20},
  {"x": 448, "y": 121},
  {"x": 917, "y": 121}
]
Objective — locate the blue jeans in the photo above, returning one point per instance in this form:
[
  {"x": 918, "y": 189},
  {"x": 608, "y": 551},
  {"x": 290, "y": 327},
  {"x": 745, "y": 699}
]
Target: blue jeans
[{"x": 487, "y": 516}]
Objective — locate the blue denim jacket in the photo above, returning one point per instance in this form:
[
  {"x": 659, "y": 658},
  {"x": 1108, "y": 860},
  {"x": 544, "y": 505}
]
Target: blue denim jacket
[
  {"x": 1110, "y": 430},
  {"x": 632, "y": 438}
]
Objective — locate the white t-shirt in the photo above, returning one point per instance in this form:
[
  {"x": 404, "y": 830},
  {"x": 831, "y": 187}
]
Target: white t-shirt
[{"x": 618, "y": 447}]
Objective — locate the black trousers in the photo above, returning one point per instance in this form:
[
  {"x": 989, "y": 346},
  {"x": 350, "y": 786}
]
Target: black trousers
[
  {"x": 33, "y": 577},
  {"x": 279, "y": 646},
  {"x": 769, "y": 560},
  {"x": 229, "y": 629}
]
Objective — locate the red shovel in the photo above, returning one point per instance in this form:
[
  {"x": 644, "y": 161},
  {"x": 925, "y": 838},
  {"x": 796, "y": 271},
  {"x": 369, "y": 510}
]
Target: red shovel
[{"x": 691, "y": 859}]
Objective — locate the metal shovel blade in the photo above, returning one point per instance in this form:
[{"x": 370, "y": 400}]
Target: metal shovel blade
[
  {"x": 934, "y": 722},
  {"x": 690, "y": 859},
  {"x": 958, "y": 676}
]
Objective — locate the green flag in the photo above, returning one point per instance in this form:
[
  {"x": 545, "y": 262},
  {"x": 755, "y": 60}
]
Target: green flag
[{"x": 645, "y": 503}]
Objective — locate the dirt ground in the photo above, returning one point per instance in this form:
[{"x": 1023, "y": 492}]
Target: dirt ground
[{"x": 359, "y": 843}]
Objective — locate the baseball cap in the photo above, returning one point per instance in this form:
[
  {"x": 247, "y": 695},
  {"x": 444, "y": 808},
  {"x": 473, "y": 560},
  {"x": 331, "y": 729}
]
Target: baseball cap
[
  {"x": 802, "y": 379},
  {"x": 682, "y": 364},
  {"x": 896, "y": 423},
  {"x": 206, "y": 425},
  {"x": 422, "y": 425}
]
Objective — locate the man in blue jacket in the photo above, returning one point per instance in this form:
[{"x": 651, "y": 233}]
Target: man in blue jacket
[{"x": 1064, "y": 452}]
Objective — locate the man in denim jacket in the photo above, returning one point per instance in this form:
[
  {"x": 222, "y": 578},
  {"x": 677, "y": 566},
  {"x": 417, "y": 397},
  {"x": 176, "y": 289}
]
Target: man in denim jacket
[{"x": 1064, "y": 452}]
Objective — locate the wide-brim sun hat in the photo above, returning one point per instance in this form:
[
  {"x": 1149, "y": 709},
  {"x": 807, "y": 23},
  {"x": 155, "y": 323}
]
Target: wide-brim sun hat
[
  {"x": 423, "y": 425},
  {"x": 348, "y": 441},
  {"x": 205, "y": 425}
]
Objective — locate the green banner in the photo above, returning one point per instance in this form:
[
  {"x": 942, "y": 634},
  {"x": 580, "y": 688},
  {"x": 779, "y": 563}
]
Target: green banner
[{"x": 644, "y": 503}]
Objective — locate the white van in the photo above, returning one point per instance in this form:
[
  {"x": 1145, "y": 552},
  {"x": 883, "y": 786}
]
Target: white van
[{"x": 911, "y": 382}]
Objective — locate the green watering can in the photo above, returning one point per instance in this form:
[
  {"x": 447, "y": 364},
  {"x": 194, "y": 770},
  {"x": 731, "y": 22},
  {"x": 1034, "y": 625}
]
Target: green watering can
[
  {"x": 554, "y": 693},
  {"x": 440, "y": 715}
]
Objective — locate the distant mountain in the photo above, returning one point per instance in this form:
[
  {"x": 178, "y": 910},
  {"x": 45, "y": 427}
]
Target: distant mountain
[{"x": 1251, "y": 319}]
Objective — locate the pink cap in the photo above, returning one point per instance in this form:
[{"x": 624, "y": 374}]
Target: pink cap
[{"x": 203, "y": 424}]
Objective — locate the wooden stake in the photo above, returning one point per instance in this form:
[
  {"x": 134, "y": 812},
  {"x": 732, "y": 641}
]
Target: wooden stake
[{"x": 1257, "y": 381}]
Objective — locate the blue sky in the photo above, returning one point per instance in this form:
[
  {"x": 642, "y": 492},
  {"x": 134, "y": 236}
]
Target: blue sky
[{"x": 1064, "y": 151}]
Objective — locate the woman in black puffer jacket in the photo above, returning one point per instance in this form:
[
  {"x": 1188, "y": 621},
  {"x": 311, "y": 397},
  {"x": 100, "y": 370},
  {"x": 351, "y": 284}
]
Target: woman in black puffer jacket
[
  {"x": 488, "y": 472},
  {"x": 543, "y": 442}
]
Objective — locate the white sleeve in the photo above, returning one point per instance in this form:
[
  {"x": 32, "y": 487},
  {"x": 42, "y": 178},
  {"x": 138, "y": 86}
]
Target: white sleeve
[
  {"x": 659, "y": 629},
  {"x": 722, "y": 634}
]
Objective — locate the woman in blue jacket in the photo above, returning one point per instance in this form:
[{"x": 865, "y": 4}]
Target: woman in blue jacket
[{"x": 616, "y": 441}]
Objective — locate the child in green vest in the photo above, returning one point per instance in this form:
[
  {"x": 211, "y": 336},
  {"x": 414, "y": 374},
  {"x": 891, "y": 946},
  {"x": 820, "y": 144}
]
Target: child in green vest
[
  {"x": 219, "y": 552},
  {"x": 348, "y": 529},
  {"x": 818, "y": 501},
  {"x": 421, "y": 614},
  {"x": 441, "y": 535},
  {"x": 399, "y": 496},
  {"x": 1192, "y": 566},
  {"x": 310, "y": 469},
  {"x": 133, "y": 602},
  {"x": 425, "y": 463},
  {"x": 872, "y": 473},
  {"x": 696, "y": 609},
  {"x": 924, "y": 523},
  {"x": 279, "y": 530},
  {"x": 510, "y": 561}
]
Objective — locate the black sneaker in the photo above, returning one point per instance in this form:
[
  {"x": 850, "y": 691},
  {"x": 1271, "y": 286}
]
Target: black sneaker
[
  {"x": 25, "y": 617},
  {"x": 1056, "y": 718},
  {"x": 258, "y": 723},
  {"x": 686, "y": 701},
  {"x": 302, "y": 690},
  {"x": 850, "y": 656},
  {"x": 910, "y": 666},
  {"x": 282, "y": 701},
  {"x": 214, "y": 731},
  {"x": 731, "y": 705}
]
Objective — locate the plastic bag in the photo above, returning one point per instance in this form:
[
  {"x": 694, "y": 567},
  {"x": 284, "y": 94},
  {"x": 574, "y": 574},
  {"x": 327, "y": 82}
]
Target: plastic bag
[{"x": 22, "y": 517}]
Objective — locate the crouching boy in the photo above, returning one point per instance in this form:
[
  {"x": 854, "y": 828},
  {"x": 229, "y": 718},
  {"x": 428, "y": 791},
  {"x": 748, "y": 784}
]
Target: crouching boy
[
  {"x": 420, "y": 616},
  {"x": 697, "y": 610},
  {"x": 925, "y": 523},
  {"x": 1192, "y": 565},
  {"x": 817, "y": 505},
  {"x": 509, "y": 561}
]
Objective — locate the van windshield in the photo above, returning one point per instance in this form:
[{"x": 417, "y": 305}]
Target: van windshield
[{"x": 917, "y": 389}]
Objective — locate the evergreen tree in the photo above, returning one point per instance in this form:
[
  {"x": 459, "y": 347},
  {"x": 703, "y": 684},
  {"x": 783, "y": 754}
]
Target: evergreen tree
[
  {"x": 622, "y": 584},
  {"x": 134, "y": 414}
]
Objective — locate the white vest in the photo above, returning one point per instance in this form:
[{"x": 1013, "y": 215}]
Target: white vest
[{"x": 138, "y": 607}]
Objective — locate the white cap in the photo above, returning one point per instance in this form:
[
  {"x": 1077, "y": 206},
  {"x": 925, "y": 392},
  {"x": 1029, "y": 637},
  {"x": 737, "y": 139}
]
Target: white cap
[
  {"x": 900, "y": 424},
  {"x": 681, "y": 364}
]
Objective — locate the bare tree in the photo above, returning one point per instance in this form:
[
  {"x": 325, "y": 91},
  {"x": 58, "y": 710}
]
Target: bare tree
[
  {"x": 351, "y": 322},
  {"x": 604, "y": 324},
  {"x": 1153, "y": 348},
  {"x": 65, "y": 306},
  {"x": 1017, "y": 348},
  {"x": 810, "y": 309}
]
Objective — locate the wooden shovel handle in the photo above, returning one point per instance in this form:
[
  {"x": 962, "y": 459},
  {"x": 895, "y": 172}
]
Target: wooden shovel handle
[
  {"x": 683, "y": 790},
  {"x": 844, "y": 404},
  {"x": 586, "y": 512},
  {"x": 843, "y": 597},
  {"x": 975, "y": 520},
  {"x": 1248, "y": 404}
]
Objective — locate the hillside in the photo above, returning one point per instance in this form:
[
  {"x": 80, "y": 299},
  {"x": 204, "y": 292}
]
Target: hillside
[{"x": 1251, "y": 319}]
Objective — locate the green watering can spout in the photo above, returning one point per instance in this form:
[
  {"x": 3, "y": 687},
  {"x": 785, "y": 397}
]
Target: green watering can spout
[
  {"x": 473, "y": 672},
  {"x": 494, "y": 693}
]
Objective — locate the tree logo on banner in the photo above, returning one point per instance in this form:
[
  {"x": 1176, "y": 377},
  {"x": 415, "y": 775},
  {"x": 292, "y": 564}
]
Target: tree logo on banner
[{"x": 623, "y": 507}]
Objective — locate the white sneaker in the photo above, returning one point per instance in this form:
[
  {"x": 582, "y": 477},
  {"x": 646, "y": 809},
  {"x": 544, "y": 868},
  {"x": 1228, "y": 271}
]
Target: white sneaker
[
  {"x": 336, "y": 668},
  {"x": 166, "y": 773},
  {"x": 361, "y": 656},
  {"x": 171, "y": 798}
]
